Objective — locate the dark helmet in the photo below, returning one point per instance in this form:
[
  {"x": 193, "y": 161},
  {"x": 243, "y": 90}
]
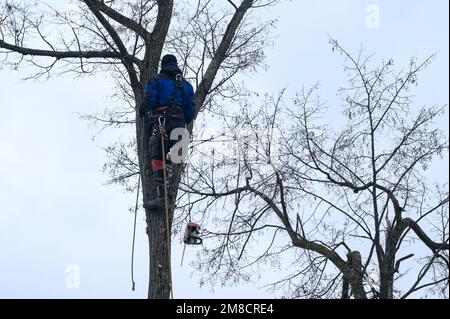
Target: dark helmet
[{"x": 168, "y": 59}]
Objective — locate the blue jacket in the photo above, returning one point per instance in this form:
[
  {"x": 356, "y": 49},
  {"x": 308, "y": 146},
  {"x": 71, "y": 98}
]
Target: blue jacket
[{"x": 160, "y": 92}]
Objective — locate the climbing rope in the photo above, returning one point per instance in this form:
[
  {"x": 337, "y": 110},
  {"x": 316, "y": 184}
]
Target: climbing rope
[
  {"x": 189, "y": 194},
  {"x": 162, "y": 132},
  {"x": 134, "y": 234},
  {"x": 189, "y": 210}
]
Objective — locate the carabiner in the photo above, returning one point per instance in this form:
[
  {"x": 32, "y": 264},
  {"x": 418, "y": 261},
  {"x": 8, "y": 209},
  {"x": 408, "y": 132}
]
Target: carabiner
[{"x": 162, "y": 121}]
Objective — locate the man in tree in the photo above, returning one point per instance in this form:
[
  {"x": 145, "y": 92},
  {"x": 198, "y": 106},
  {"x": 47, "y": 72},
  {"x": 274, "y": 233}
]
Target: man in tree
[
  {"x": 170, "y": 102},
  {"x": 125, "y": 39}
]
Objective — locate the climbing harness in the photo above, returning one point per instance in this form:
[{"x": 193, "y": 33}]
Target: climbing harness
[{"x": 178, "y": 86}]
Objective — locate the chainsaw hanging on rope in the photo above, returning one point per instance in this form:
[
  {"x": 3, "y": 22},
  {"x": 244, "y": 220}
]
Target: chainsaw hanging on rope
[
  {"x": 192, "y": 234},
  {"x": 191, "y": 237}
]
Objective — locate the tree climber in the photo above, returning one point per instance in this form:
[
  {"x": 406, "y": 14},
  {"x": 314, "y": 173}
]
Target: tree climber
[{"x": 169, "y": 101}]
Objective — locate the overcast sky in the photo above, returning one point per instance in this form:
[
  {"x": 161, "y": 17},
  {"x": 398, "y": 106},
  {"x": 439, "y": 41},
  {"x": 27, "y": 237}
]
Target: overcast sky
[{"x": 56, "y": 215}]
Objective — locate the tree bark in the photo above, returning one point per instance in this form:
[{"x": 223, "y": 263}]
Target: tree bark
[
  {"x": 356, "y": 277},
  {"x": 159, "y": 248},
  {"x": 386, "y": 282}
]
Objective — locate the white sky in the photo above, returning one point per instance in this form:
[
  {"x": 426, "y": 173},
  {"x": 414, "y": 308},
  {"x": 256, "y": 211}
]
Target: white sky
[{"x": 55, "y": 210}]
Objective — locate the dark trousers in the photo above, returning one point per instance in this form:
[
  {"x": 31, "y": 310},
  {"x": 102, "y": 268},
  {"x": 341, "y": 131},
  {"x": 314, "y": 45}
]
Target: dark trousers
[{"x": 172, "y": 118}]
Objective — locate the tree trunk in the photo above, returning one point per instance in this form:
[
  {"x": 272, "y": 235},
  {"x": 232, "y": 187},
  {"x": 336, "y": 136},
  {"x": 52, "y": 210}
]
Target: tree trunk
[
  {"x": 387, "y": 265},
  {"x": 386, "y": 282},
  {"x": 159, "y": 270},
  {"x": 345, "y": 288},
  {"x": 159, "y": 248},
  {"x": 356, "y": 278}
]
